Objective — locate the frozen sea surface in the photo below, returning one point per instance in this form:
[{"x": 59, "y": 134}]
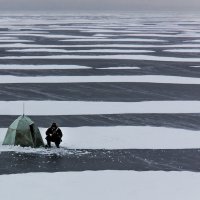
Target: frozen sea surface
[
  {"x": 106, "y": 70},
  {"x": 102, "y": 185}
]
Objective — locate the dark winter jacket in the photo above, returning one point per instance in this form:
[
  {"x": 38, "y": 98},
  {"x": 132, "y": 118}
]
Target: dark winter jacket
[{"x": 54, "y": 133}]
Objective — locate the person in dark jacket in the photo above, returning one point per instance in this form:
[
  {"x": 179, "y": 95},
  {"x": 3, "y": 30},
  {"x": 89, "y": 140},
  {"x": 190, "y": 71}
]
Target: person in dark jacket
[{"x": 54, "y": 134}]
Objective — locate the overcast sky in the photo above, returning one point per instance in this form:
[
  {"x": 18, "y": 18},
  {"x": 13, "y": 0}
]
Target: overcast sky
[{"x": 100, "y": 4}]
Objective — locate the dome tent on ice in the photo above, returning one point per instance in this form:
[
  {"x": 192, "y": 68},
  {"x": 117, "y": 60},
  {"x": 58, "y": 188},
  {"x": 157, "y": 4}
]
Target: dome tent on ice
[{"x": 23, "y": 132}]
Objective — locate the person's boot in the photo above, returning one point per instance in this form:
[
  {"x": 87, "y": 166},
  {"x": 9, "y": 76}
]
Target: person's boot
[
  {"x": 57, "y": 144},
  {"x": 49, "y": 144}
]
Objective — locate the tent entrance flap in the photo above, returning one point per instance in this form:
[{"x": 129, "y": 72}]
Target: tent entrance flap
[{"x": 32, "y": 133}]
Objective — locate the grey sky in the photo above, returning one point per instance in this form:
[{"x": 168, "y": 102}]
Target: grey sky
[{"x": 100, "y": 4}]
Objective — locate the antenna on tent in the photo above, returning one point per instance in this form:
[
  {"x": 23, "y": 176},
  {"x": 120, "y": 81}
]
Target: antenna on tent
[{"x": 23, "y": 108}]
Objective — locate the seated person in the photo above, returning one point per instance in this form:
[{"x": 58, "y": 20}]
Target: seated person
[{"x": 54, "y": 134}]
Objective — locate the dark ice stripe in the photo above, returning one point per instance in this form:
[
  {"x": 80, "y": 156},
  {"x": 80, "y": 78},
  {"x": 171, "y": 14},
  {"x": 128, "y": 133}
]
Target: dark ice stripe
[
  {"x": 98, "y": 62},
  {"x": 96, "y": 70},
  {"x": 183, "y": 121},
  {"x": 147, "y": 67},
  {"x": 112, "y": 92},
  {"x": 81, "y": 160}
]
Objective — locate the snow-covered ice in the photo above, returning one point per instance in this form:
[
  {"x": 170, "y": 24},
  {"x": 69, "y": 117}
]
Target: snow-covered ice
[
  {"x": 117, "y": 57},
  {"x": 115, "y": 40},
  {"x": 95, "y": 79},
  {"x": 118, "y": 137},
  {"x": 129, "y": 137},
  {"x": 51, "y": 35},
  {"x": 21, "y": 45},
  {"x": 119, "y": 68},
  {"x": 39, "y": 50},
  {"x": 195, "y": 66},
  {"x": 42, "y": 67},
  {"x": 81, "y": 51},
  {"x": 13, "y": 40},
  {"x": 90, "y": 107},
  {"x": 113, "y": 185},
  {"x": 183, "y": 50}
]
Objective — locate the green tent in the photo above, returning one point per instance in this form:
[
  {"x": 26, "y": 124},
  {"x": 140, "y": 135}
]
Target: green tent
[{"x": 23, "y": 132}]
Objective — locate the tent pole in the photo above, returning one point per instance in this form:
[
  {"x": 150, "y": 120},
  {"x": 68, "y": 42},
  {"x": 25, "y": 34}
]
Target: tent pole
[{"x": 23, "y": 108}]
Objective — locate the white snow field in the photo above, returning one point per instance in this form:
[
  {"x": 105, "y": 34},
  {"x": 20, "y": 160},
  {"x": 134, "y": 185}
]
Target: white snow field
[
  {"x": 38, "y": 50},
  {"x": 119, "y": 68},
  {"x": 118, "y": 137},
  {"x": 195, "y": 66},
  {"x": 21, "y": 45},
  {"x": 95, "y": 79},
  {"x": 183, "y": 50},
  {"x": 89, "y": 108},
  {"x": 101, "y": 185},
  {"x": 117, "y": 57},
  {"x": 42, "y": 67},
  {"x": 115, "y": 40},
  {"x": 13, "y": 40},
  {"x": 160, "y": 35},
  {"x": 8, "y": 38},
  {"x": 53, "y": 36},
  {"x": 82, "y": 51}
]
